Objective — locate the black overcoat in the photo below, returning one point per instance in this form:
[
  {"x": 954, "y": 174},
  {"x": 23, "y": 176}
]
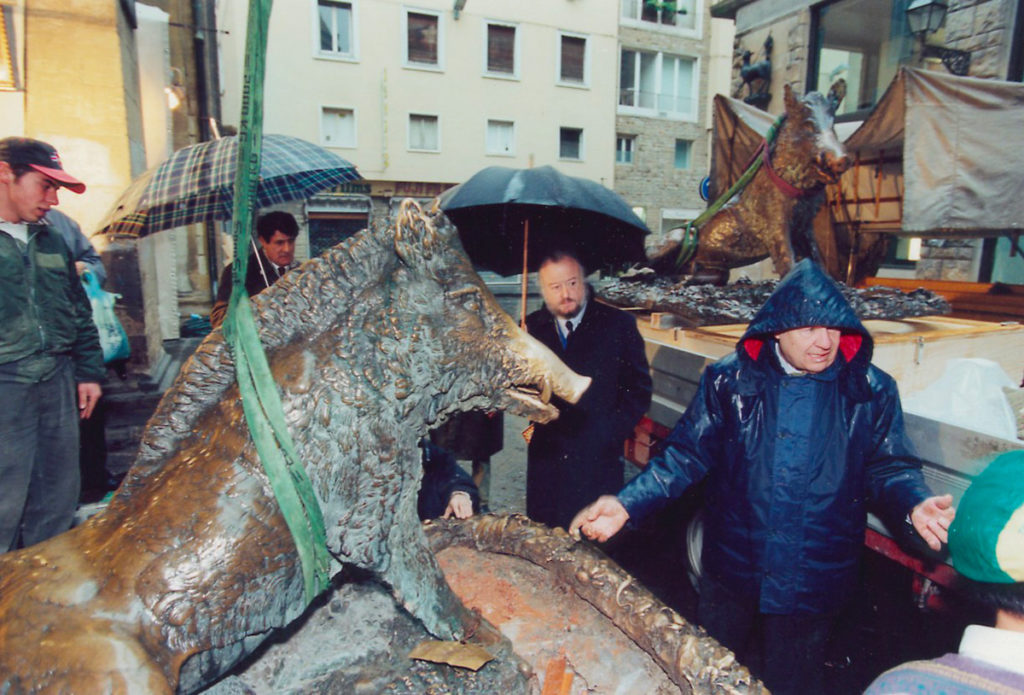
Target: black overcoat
[{"x": 578, "y": 457}]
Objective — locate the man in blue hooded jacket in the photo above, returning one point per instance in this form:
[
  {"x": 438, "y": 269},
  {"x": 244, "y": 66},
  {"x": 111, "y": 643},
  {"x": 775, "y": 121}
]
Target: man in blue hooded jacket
[{"x": 795, "y": 432}]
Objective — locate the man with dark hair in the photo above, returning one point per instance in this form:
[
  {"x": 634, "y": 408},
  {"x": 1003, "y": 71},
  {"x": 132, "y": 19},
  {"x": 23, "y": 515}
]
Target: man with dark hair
[
  {"x": 795, "y": 432},
  {"x": 573, "y": 459},
  {"x": 986, "y": 544},
  {"x": 276, "y": 232},
  {"x": 51, "y": 363}
]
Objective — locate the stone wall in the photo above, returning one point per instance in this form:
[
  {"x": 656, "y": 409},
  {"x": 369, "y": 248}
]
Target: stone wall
[
  {"x": 947, "y": 259},
  {"x": 652, "y": 181},
  {"x": 985, "y": 28}
]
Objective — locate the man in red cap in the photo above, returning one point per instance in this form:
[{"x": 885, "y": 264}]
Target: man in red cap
[{"x": 51, "y": 362}]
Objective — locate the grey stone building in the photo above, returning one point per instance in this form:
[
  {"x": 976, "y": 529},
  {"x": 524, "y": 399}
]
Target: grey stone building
[{"x": 661, "y": 141}]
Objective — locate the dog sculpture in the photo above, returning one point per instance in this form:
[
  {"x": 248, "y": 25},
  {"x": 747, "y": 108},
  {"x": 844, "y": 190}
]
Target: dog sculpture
[
  {"x": 772, "y": 215},
  {"x": 192, "y": 565}
]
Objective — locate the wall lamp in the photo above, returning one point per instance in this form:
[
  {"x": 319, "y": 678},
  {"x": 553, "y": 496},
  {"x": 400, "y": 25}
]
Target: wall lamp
[{"x": 925, "y": 17}]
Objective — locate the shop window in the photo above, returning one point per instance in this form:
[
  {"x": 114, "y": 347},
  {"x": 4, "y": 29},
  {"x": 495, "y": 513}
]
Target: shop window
[
  {"x": 863, "y": 42},
  {"x": 329, "y": 229}
]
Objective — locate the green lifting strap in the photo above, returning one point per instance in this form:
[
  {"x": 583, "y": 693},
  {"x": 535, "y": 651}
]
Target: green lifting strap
[
  {"x": 261, "y": 401},
  {"x": 688, "y": 245}
]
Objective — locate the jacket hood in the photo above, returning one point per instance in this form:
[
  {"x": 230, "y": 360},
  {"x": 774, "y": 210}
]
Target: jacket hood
[{"x": 807, "y": 297}]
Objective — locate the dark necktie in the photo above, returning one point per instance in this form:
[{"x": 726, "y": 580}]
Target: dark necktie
[{"x": 568, "y": 329}]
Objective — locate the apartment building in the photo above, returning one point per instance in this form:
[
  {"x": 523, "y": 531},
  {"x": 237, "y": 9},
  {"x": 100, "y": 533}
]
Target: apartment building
[{"x": 421, "y": 95}]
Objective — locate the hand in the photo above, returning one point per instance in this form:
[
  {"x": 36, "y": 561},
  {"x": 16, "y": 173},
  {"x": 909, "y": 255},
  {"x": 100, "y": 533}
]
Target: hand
[
  {"x": 931, "y": 519},
  {"x": 88, "y": 395},
  {"x": 460, "y": 506},
  {"x": 601, "y": 520},
  {"x": 80, "y": 266}
]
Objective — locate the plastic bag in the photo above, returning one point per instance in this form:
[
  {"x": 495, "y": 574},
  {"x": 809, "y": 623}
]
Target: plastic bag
[
  {"x": 113, "y": 338},
  {"x": 969, "y": 394}
]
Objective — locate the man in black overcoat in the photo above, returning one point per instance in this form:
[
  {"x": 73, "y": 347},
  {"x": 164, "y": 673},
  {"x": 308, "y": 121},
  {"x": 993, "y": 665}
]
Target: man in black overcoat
[{"x": 580, "y": 454}]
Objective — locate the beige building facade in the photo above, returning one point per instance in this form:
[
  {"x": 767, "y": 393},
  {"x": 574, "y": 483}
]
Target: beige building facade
[{"x": 422, "y": 95}]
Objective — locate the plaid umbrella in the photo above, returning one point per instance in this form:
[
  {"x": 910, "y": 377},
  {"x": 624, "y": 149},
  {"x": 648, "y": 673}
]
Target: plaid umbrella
[{"x": 195, "y": 184}]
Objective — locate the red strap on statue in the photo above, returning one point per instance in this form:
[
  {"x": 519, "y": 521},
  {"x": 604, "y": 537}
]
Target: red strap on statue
[{"x": 786, "y": 187}]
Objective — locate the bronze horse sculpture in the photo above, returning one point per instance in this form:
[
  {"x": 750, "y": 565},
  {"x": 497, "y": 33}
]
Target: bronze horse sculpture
[
  {"x": 192, "y": 565},
  {"x": 772, "y": 216}
]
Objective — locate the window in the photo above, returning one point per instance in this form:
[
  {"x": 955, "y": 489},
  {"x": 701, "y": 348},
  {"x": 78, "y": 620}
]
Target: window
[
  {"x": 863, "y": 41},
  {"x": 335, "y": 28},
  {"x": 501, "y": 50},
  {"x": 422, "y": 39},
  {"x": 8, "y": 79},
  {"x": 570, "y": 143},
  {"x": 328, "y": 229},
  {"x": 500, "y": 137},
  {"x": 424, "y": 133},
  {"x": 572, "y": 60},
  {"x": 337, "y": 127},
  {"x": 657, "y": 84},
  {"x": 683, "y": 148},
  {"x": 624, "y": 145},
  {"x": 671, "y": 14}
]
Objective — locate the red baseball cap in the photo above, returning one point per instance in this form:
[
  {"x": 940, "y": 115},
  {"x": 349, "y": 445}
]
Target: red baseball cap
[{"x": 40, "y": 156}]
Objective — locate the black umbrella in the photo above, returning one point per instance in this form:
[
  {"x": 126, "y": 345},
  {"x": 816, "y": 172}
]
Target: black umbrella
[{"x": 499, "y": 212}]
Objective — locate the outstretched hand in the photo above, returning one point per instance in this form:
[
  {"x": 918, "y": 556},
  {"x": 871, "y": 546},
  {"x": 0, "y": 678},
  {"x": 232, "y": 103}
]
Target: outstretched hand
[
  {"x": 600, "y": 520},
  {"x": 931, "y": 519}
]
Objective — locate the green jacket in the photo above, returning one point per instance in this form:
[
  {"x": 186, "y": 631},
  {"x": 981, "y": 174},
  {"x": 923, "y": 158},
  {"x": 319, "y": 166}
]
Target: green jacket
[{"x": 44, "y": 311}]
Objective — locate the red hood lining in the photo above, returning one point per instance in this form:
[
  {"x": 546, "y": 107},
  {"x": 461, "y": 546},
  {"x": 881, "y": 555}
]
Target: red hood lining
[{"x": 849, "y": 345}]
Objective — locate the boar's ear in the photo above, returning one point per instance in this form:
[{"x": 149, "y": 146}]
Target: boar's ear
[
  {"x": 790, "y": 100},
  {"x": 416, "y": 236},
  {"x": 836, "y": 94}
]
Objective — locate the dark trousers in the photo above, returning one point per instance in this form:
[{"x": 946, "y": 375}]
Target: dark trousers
[
  {"x": 39, "y": 477},
  {"x": 787, "y": 652}
]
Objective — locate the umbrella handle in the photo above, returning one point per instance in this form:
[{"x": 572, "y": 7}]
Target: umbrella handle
[
  {"x": 522, "y": 302},
  {"x": 259, "y": 262}
]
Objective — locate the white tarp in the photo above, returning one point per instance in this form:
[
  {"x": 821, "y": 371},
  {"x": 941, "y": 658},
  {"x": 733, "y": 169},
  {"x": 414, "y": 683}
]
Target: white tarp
[{"x": 961, "y": 141}]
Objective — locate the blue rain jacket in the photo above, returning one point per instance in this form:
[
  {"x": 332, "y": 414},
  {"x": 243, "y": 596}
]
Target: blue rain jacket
[{"x": 791, "y": 461}]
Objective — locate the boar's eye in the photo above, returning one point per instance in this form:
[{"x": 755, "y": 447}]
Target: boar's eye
[{"x": 468, "y": 297}]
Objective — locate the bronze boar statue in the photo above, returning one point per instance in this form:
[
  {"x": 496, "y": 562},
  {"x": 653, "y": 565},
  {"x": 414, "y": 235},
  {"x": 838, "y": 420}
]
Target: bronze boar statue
[
  {"x": 772, "y": 216},
  {"x": 192, "y": 564}
]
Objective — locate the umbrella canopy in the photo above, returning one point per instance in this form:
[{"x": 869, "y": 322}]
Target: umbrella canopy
[
  {"x": 492, "y": 208},
  {"x": 195, "y": 184}
]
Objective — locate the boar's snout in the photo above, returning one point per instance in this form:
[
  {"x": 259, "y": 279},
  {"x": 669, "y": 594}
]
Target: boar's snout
[{"x": 545, "y": 375}]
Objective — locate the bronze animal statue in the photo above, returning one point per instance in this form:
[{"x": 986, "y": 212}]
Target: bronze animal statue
[
  {"x": 192, "y": 564},
  {"x": 757, "y": 77},
  {"x": 772, "y": 215}
]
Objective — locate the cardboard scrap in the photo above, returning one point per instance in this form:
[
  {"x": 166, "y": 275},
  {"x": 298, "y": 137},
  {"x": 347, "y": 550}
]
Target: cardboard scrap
[{"x": 469, "y": 656}]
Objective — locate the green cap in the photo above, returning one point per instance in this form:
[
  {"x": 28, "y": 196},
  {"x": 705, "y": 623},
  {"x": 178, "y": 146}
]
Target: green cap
[{"x": 986, "y": 539}]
